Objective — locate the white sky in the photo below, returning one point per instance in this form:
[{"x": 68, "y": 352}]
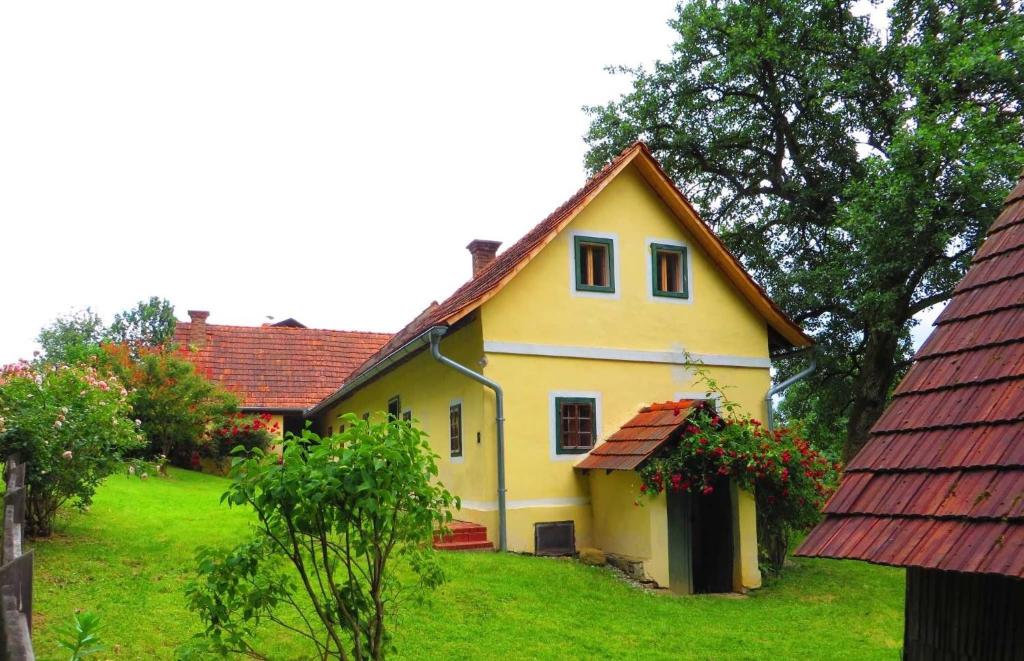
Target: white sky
[{"x": 319, "y": 160}]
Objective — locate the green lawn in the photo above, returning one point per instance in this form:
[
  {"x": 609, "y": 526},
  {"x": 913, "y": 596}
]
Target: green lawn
[{"x": 130, "y": 556}]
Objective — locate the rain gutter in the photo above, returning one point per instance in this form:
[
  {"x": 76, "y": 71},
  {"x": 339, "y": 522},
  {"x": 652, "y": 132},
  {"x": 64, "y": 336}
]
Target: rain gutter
[
  {"x": 780, "y": 387},
  {"x": 436, "y": 334}
]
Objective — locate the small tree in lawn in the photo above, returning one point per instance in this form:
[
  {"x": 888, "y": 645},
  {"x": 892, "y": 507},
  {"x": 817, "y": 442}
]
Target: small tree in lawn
[
  {"x": 335, "y": 516},
  {"x": 176, "y": 406},
  {"x": 70, "y": 424}
]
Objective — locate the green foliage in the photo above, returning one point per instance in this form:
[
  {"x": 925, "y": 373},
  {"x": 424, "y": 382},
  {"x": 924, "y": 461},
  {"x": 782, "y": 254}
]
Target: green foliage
[
  {"x": 176, "y": 406},
  {"x": 334, "y": 513},
  {"x": 853, "y": 171},
  {"x": 71, "y": 425},
  {"x": 81, "y": 638},
  {"x": 71, "y": 338},
  {"x": 149, "y": 324}
]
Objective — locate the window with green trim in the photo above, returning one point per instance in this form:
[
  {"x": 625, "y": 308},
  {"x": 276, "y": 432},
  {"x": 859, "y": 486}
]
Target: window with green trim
[
  {"x": 595, "y": 264},
  {"x": 394, "y": 407},
  {"x": 668, "y": 271},
  {"x": 455, "y": 429},
  {"x": 575, "y": 424}
]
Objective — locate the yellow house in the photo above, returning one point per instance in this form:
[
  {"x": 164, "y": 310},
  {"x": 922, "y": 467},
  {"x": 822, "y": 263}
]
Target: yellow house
[{"x": 559, "y": 341}]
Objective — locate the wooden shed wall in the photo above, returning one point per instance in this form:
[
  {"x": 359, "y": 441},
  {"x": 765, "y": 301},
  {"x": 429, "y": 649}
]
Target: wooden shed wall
[{"x": 953, "y": 616}]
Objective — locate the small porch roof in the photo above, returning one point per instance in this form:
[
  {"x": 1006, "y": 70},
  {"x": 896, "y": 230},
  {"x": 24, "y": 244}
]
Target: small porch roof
[{"x": 641, "y": 437}]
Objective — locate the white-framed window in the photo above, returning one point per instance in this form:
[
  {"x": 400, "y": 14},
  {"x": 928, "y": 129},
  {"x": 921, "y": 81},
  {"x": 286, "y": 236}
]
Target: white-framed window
[
  {"x": 669, "y": 270},
  {"x": 594, "y": 264},
  {"x": 575, "y": 423}
]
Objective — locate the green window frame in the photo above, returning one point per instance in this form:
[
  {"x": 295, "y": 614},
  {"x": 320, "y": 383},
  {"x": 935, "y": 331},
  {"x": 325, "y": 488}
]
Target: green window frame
[
  {"x": 663, "y": 273},
  {"x": 395, "y": 407},
  {"x": 593, "y": 275},
  {"x": 455, "y": 429},
  {"x": 575, "y": 424}
]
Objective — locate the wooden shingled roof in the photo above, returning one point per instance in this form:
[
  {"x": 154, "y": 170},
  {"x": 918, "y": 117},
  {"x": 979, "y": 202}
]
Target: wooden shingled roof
[
  {"x": 637, "y": 440},
  {"x": 940, "y": 483},
  {"x": 278, "y": 367}
]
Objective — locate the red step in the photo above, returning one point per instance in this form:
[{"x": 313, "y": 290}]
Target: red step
[{"x": 463, "y": 536}]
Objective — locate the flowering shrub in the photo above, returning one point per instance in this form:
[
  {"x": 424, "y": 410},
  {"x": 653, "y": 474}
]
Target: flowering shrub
[
  {"x": 71, "y": 425},
  {"x": 255, "y": 431},
  {"x": 789, "y": 479},
  {"x": 177, "y": 406}
]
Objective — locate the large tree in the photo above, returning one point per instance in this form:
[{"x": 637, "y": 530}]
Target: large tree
[{"x": 852, "y": 168}]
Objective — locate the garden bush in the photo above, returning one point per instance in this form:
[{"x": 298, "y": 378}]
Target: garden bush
[
  {"x": 335, "y": 516},
  {"x": 71, "y": 425},
  {"x": 241, "y": 429}
]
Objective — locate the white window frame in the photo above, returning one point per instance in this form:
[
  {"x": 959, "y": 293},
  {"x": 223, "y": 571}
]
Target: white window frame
[
  {"x": 553, "y": 396},
  {"x": 616, "y": 273},
  {"x": 675, "y": 243}
]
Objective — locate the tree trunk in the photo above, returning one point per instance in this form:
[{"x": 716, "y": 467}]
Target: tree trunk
[
  {"x": 39, "y": 514},
  {"x": 871, "y": 388}
]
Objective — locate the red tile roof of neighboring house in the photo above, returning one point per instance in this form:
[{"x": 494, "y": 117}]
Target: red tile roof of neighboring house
[
  {"x": 641, "y": 437},
  {"x": 278, "y": 367},
  {"x": 489, "y": 281},
  {"x": 940, "y": 483}
]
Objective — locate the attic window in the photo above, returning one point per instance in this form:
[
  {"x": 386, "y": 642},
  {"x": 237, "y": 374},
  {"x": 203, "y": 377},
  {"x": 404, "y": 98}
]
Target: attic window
[
  {"x": 594, "y": 264},
  {"x": 575, "y": 424},
  {"x": 668, "y": 270}
]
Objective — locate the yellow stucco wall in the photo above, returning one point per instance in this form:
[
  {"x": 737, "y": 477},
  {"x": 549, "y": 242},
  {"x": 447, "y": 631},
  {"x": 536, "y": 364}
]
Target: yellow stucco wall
[
  {"x": 540, "y": 304},
  {"x": 427, "y": 389}
]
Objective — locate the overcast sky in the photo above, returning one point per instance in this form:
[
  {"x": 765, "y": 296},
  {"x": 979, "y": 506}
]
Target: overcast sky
[{"x": 326, "y": 161}]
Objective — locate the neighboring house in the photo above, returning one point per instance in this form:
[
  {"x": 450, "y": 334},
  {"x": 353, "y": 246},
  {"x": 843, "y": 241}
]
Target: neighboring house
[
  {"x": 281, "y": 369},
  {"x": 590, "y": 319},
  {"x": 939, "y": 487}
]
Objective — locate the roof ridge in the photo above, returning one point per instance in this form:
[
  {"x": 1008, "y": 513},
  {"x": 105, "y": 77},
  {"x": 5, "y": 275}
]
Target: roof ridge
[{"x": 271, "y": 327}]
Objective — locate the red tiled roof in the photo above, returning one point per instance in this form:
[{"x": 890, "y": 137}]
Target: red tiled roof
[
  {"x": 278, "y": 367},
  {"x": 641, "y": 437},
  {"x": 940, "y": 484},
  {"x": 475, "y": 291}
]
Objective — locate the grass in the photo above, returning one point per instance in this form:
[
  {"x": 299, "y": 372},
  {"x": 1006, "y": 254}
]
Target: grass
[{"x": 129, "y": 558}]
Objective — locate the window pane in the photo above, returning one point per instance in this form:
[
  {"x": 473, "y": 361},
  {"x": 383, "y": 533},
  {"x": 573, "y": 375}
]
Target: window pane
[
  {"x": 669, "y": 265},
  {"x": 455, "y": 428}
]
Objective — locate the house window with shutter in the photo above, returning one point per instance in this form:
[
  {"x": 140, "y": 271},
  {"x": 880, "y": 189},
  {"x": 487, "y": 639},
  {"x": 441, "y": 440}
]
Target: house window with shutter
[
  {"x": 668, "y": 271},
  {"x": 575, "y": 424},
  {"x": 595, "y": 264},
  {"x": 455, "y": 428}
]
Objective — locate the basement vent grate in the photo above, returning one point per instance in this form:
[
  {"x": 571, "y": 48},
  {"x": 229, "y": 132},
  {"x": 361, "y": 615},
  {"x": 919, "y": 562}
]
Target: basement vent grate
[{"x": 554, "y": 538}]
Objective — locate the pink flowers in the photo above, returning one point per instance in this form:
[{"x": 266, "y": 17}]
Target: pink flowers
[{"x": 67, "y": 455}]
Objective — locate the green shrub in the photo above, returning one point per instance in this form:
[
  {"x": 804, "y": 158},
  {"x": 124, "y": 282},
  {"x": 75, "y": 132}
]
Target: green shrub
[{"x": 71, "y": 425}]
